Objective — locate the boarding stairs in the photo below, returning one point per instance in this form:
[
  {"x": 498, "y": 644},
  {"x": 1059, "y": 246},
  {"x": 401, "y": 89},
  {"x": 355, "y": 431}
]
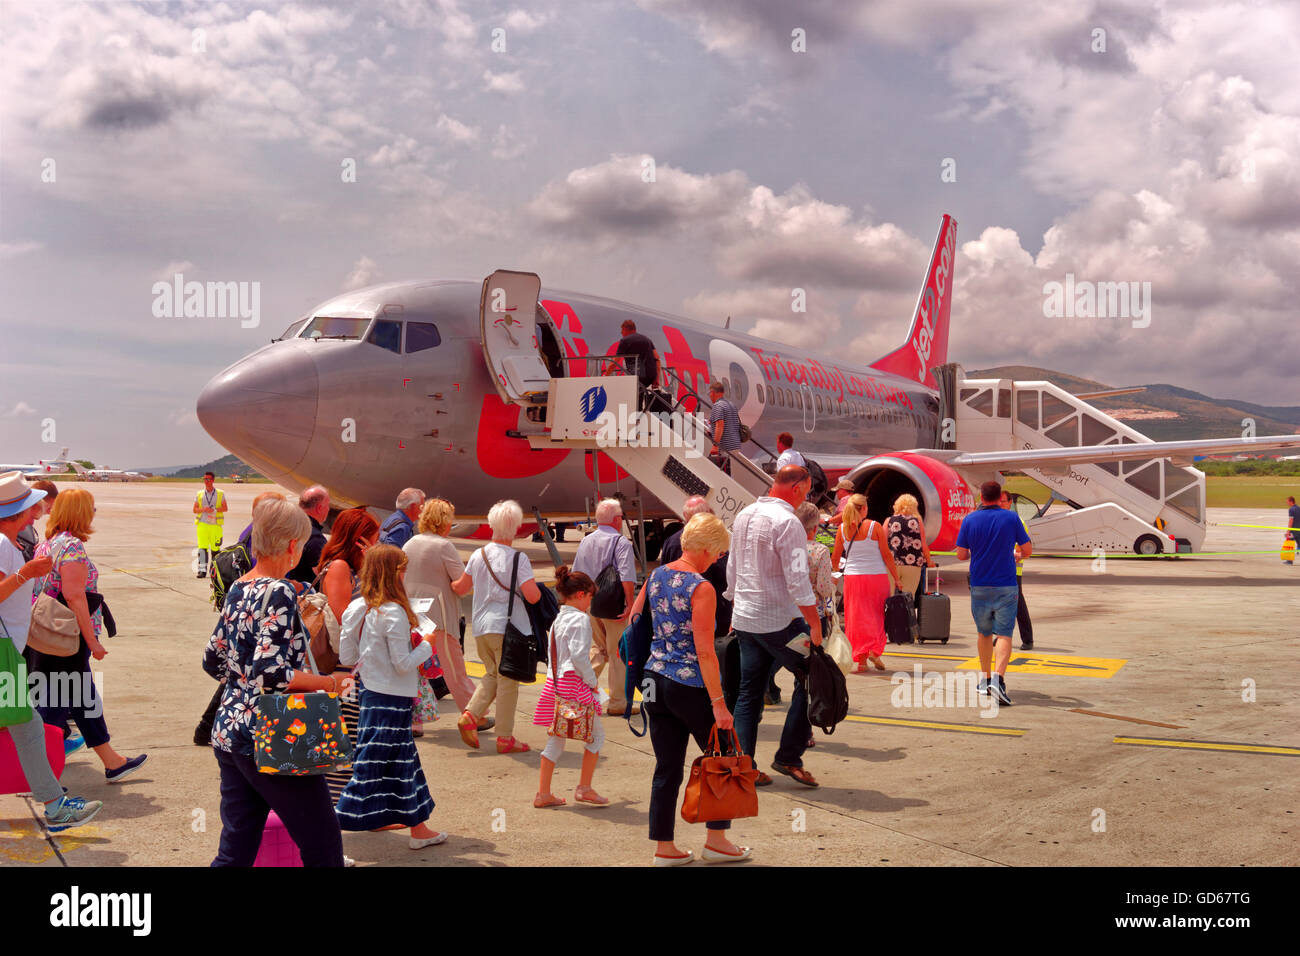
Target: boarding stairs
[
  {"x": 1148, "y": 505},
  {"x": 666, "y": 453}
]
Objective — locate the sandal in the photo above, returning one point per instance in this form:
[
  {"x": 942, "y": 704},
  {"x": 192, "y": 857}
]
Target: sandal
[
  {"x": 467, "y": 725},
  {"x": 508, "y": 745},
  {"x": 798, "y": 774},
  {"x": 592, "y": 797},
  {"x": 551, "y": 801},
  {"x": 880, "y": 664}
]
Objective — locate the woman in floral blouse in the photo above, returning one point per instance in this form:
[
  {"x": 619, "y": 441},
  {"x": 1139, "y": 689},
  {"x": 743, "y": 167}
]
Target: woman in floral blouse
[
  {"x": 906, "y": 536},
  {"x": 684, "y": 698},
  {"x": 260, "y": 646}
]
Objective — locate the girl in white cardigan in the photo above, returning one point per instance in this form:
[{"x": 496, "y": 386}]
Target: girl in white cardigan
[
  {"x": 387, "y": 789},
  {"x": 576, "y": 681}
]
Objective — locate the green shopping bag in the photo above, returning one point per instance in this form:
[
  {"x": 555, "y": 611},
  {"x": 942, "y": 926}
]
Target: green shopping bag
[{"x": 15, "y": 702}]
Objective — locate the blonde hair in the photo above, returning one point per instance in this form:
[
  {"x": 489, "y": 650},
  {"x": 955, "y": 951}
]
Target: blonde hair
[
  {"x": 906, "y": 505},
  {"x": 73, "y": 512},
  {"x": 435, "y": 516},
  {"x": 276, "y": 522},
  {"x": 855, "y": 510},
  {"x": 381, "y": 581},
  {"x": 706, "y": 532}
]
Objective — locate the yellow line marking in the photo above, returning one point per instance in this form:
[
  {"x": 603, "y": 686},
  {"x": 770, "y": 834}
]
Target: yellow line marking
[
  {"x": 1065, "y": 665},
  {"x": 927, "y": 657},
  {"x": 938, "y": 725},
  {"x": 1203, "y": 745}
]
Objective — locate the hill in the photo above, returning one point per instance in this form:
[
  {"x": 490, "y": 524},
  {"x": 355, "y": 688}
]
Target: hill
[
  {"x": 1165, "y": 412},
  {"x": 222, "y": 468}
]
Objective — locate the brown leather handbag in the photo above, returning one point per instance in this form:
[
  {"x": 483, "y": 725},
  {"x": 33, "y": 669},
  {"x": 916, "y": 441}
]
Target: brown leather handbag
[{"x": 721, "y": 787}]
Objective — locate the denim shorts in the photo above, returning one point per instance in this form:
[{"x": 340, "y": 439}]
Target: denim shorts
[{"x": 994, "y": 609}]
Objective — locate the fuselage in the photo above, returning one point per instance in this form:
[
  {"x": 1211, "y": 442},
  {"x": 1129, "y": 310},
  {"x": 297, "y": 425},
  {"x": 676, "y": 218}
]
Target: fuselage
[{"x": 383, "y": 407}]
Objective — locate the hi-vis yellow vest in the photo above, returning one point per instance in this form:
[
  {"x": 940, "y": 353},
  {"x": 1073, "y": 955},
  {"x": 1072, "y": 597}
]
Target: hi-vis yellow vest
[{"x": 221, "y": 498}]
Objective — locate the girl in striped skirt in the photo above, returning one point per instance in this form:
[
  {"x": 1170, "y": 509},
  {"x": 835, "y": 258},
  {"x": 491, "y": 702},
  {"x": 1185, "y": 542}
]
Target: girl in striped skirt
[
  {"x": 571, "y": 634},
  {"x": 387, "y": 789}
]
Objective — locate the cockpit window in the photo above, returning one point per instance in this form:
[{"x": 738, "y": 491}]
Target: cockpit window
[
  {"x": 421, "y": 336},
  {"x": 387, "y": 335},
  {"x": 292, "y": 330},
  {"x": 325, "y": 327}
]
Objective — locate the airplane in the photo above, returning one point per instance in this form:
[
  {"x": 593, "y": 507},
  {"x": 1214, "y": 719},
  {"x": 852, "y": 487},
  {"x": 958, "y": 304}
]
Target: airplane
[
  {"x": 106, "y": 474},
  {"x": 56, "y": 466},
  {"x": 426, "y": 383}
]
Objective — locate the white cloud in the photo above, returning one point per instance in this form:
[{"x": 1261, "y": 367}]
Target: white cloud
[
  {"x": 455, "y": 130},
  {"x": 508, "y": 83},
  {"x": 365, "y": 271},
  {"x": 169, "y": 271},
  {"x": 521, "y": 21},
  {"x": 12, "y": 250},
  {"x": 22, "y": 408}
]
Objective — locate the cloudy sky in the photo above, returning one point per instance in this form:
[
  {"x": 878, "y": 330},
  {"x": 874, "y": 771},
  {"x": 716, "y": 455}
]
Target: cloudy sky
[{"x": 795, "y": 145}]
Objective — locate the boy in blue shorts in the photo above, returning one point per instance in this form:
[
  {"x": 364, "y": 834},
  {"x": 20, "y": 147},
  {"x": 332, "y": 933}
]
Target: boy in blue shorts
[{"x": 988, "y": 537}]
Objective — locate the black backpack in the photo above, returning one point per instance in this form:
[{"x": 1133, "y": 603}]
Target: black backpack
[
  {"x": 610, "y": 599},
  {"x": 819, "y": 483},
  {"x": 227, "y": 566},
  {"x": 828, "y": 693}
]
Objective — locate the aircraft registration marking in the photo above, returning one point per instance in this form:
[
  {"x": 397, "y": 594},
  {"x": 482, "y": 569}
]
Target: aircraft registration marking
[{"x": 1063, "y": 665}]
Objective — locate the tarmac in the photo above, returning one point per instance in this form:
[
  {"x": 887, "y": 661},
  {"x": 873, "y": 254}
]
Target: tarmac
[{"x": 1154, "y": 723}]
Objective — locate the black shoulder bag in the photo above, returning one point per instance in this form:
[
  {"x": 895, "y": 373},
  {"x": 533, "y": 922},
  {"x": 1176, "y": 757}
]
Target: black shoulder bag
[{"x": 520, "y": 652}]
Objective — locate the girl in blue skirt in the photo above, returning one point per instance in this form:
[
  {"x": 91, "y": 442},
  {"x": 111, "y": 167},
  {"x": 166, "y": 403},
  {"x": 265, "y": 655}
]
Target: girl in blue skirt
[{"x": 387, "y": 790}]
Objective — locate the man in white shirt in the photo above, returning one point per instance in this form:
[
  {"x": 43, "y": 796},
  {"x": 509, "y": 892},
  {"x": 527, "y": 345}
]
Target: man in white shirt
[
  {"x": 786, "y": 455},
  {"x": 774, "y": 615},
  {"x": 604, "y": 547}
]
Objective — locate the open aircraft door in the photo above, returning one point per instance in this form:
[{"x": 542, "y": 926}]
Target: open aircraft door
[{"x": 508, "y": 323}]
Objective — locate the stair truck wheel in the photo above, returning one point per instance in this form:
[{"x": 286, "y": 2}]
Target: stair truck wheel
[{"x": 1148, "y": 544}]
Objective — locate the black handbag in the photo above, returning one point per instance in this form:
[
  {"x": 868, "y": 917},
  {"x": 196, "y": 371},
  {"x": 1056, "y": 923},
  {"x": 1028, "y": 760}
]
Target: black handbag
[
  {"x": 610, "y": 599},
  {"x": 520, "y": 652}
]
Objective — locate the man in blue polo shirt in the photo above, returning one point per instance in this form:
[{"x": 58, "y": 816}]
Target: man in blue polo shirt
[{"x": 988, "y": 537}]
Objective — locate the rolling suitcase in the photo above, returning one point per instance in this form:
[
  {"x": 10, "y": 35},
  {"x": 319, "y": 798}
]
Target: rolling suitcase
[
  {"x": 900, "y": 618},
  {"x": 935, "y": 614}
]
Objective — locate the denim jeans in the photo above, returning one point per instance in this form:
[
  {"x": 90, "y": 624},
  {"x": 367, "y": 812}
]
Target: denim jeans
[{"x": 758, "y": 652}]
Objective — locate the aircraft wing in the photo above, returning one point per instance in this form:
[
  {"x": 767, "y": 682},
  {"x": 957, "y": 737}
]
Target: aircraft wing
[{"x": 1180, "y": 451}]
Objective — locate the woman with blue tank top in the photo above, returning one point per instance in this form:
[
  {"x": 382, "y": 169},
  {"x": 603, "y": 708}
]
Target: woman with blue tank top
[
  {"x": 869, "y": 572},
  {"x": 683, "y": 694}
]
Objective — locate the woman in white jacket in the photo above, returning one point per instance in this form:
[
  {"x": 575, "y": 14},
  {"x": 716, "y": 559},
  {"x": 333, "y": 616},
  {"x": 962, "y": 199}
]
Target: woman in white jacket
[
  {"x": 387, "y": 789},
  {"x": 576, "y": 681}
]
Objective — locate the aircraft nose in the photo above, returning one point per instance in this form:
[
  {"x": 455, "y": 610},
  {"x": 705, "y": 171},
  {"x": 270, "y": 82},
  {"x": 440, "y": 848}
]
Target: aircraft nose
[{"x": 263, "y": 409}]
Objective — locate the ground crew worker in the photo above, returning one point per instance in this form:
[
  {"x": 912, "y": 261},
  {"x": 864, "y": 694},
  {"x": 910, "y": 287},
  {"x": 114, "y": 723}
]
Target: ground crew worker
[{"x": 210, "y": 514}]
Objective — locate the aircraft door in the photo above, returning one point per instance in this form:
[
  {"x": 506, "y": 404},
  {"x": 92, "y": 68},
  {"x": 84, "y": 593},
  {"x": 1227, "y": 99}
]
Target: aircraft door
[{"x": 508, "y": 324}]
